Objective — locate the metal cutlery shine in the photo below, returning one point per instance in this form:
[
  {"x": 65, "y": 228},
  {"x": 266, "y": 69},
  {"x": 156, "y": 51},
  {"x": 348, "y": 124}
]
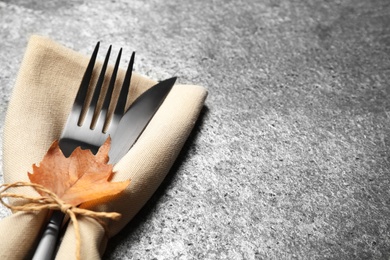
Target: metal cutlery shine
[{"x": 124, "y": 128}]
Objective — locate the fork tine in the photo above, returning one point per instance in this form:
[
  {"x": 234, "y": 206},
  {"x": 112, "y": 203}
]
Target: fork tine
[
  {"x": 103, "y": 113},
  {"x": 83, "y": 89},
  {"x": 96, "y": 94},
  {"x": 121, "y": 104},
  {"x": 112, "y": 82}
]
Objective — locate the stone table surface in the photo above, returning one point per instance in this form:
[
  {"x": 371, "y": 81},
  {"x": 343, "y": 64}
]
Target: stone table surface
[{"x": 290, "y": 157}]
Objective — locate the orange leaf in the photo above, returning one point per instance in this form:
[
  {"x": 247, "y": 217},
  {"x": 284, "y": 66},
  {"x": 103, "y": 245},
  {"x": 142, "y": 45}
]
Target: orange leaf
[{"x": 79, "y": 178}]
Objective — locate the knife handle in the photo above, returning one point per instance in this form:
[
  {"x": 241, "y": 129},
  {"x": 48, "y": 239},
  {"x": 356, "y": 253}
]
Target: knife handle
[{"x": 47, "y": 244}]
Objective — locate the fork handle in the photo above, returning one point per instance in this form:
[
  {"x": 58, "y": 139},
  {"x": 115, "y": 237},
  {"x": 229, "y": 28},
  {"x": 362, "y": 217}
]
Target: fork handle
[{"x": 47, "y": 244}]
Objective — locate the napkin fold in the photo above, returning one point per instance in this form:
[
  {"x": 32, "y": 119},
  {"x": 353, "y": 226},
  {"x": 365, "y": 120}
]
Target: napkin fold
[{"x": 43, "y": 95}]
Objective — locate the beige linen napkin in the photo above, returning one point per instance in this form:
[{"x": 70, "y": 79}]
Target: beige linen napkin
[{"x": 44, "y": 92}]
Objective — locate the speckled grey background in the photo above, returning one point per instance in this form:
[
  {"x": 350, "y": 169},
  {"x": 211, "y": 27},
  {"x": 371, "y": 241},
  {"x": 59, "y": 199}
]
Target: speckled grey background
[{"x": 290, "y": 158}]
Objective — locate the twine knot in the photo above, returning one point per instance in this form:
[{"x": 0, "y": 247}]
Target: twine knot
[
  {"x": 52, "y": 202},
  {"x": 65, "y": 207}
]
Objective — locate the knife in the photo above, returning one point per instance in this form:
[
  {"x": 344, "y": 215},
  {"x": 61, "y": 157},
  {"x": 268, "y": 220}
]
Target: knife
[
  {"x": 130, "y": 127},
  {"x": 135, "y": 120}
]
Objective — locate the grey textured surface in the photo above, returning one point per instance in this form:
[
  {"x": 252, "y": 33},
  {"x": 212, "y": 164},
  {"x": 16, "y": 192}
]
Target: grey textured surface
[{"x": 290, "y": 158}]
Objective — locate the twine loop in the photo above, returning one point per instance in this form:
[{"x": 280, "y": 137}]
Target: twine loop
[{"x": 52, "y": 202}]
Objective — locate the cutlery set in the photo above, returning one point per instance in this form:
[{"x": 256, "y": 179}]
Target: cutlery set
[{"x": 89, "y": 127}]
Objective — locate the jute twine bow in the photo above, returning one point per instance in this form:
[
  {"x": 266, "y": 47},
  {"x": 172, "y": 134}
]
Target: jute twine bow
[{"x": 53, "y": 202}]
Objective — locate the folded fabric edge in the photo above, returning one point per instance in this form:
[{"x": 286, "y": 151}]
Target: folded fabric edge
[{"x": 147, "y": 178}]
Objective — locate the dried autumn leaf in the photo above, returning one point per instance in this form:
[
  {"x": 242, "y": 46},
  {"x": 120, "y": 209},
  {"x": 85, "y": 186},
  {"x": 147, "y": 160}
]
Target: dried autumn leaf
[{"x": 79, "y": 178}]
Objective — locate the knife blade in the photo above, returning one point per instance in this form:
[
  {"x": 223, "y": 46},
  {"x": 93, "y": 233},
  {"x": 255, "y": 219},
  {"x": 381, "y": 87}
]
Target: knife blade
[
  {"x": 130, "y": 127},
  {"x": 137, "y": 118}
]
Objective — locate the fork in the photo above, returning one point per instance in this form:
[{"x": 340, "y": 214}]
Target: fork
[{"x": 89, "y": 131}]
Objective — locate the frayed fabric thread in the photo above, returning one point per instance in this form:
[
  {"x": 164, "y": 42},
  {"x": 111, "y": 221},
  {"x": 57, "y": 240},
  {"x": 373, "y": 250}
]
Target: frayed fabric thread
[{"x": 52, "y": 202}]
